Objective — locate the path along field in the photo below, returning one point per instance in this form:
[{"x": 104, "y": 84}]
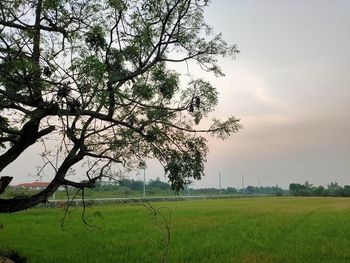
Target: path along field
[{"x": 224, "y": 230}]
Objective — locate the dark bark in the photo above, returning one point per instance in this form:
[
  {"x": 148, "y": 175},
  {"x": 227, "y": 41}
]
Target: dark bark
[
  {"x": 28, "y": 137},
  {"x": 4, "y": 182},
  {"x": 83, "y": 184},
  {"x": 20, "y": 203}
]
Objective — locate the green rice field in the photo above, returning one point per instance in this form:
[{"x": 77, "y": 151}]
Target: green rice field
[{"x": 264, "y": 229}]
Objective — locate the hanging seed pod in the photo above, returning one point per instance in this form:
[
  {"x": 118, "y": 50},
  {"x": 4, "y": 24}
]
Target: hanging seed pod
[
  {"x": 190, "y": 108},
  {"x": 47, "y": 72},
  {"x": 198, "y": 102}
]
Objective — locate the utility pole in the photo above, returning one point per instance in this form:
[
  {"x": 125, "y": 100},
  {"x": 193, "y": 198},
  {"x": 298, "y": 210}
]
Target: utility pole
[
  {"x": 242, "y": 181},
  {"x": 188, "y": 186},
  {"x": 144, "y": 181},
  {"x": 219, "y": 183}
]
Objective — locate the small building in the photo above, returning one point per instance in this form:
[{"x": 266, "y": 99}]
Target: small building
[{"x": 34, "y": 185}]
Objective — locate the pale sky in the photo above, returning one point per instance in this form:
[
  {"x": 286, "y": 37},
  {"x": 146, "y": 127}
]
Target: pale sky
[{"x": 290, "y": 87}]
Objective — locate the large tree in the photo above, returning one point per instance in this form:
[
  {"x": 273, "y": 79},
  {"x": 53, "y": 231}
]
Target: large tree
[{"x": 94, "y": 77}]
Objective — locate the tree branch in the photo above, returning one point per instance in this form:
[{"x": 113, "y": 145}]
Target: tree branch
[
  {"x": 83, "y": 184},
  {"x": 4, "y": 182}
]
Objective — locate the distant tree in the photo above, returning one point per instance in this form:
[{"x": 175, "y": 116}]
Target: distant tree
[
  {"x": 301, "y": 189},
  {"x": 293, "y": 188},
  {"x": 278, "y": 191},
  {"x": 250, "y": 190},
  {"x": 267, "y": 190},
  {"x": 347, "y": 190},
  {"x": 136, "y": 185},
  {"x": 131, "y": 184},
  {"x": 93, "y": 76},
  {"x": 158, "y": 184},
  {"x": 334, "y": 189},
  {"x": 320, "y": 191},
  {"x": 231, "y": 190}
]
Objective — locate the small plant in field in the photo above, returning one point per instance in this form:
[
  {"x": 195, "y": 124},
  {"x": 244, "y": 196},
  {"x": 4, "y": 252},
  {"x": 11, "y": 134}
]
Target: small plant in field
[
  {"x": 162, "y": 215},
  {"x": 70, "y": 203}
]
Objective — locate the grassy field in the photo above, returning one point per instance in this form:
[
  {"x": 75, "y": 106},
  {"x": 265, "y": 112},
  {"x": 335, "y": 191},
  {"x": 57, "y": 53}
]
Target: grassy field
[{"x": 228, "y": 230}]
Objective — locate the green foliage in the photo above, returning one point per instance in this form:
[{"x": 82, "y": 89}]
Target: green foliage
[
  {"x": 263, "y": 190},
  {"x": 224, "y": 129},
  {"x": 308, "y": 189},
  {"x": 16, "y": 73},
  {"x": 3, "y": 124},
  {"x": 92, "y": 67},
  {"x": 158, "y": 184},
  {"x": 165, "y": 80},
  {"x": 118, "y": 5},
  {"x": 52, "y": 4},
  {"x": 95, "y": 38},
  {"x": 188, "y": 165},
  {"x": 143, "y": 90},
  {"x": 95, "y": 76},
  {"x": 131, "y": 184}
]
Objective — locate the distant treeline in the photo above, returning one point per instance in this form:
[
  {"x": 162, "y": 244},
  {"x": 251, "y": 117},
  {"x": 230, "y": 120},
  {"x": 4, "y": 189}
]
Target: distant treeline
[
  {"x": 134, "y": 188},
  {"x": 128, "y": 186},
  {"x": 308, "y": 189},
  {"x": 131, "y": 185}
]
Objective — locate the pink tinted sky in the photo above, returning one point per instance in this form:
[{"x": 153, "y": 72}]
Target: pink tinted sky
[{"x": 291, "y": 88}]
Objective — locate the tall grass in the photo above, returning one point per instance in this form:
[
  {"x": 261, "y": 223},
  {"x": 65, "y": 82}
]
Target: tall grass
[{"x": 227, "y": 230}]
